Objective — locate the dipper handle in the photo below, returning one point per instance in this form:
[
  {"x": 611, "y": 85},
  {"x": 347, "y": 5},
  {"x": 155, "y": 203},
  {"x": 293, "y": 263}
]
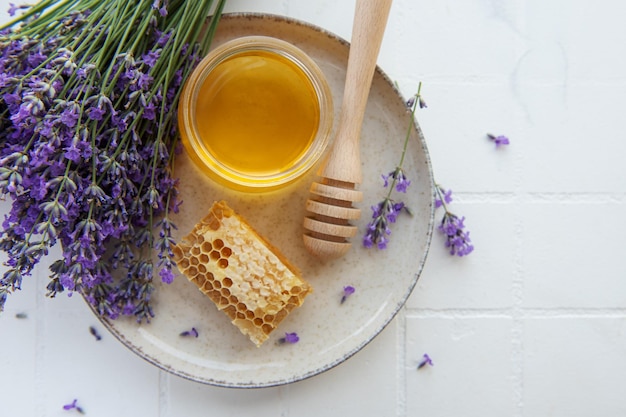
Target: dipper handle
[{"x": 327, "y": 226}]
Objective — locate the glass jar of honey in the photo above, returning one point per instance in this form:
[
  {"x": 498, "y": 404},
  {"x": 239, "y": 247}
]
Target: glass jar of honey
[{"x": 256, "y": 114}]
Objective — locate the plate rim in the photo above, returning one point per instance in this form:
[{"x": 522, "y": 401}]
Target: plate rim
[{"x": 108, "y": 323}]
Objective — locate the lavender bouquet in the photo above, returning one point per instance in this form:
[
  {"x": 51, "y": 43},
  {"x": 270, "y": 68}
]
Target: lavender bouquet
[{"x": 88, "y": 97}]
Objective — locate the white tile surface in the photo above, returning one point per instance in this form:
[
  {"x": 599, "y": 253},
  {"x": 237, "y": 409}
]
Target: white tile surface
[
  {"x": 574, "y": 366},
  {"x": 480, "y": 280},
  {"x": 569, "y": 261},
  {"x": 472, "y": 369},
  {"x": 531, "y": 324}
]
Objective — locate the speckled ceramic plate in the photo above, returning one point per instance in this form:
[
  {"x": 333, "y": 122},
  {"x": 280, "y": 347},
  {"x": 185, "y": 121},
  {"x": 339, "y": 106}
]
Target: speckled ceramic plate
[{"x": 329, "y": 332}]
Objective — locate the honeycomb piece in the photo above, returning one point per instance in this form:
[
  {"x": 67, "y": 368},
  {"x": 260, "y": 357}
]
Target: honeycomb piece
[{"x": 247, "y": 279}]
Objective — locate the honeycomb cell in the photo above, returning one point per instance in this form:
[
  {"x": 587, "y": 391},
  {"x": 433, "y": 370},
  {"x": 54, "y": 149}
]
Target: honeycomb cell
[
  {"x": 183, "y": 263},
  {"x": 222, "y": 263},
  {"x": 202, "y": 269},
  {"x": 218, "y": 244},
  {"x": 268, "y": 318},
  {"x": 227, "y": 282},
  {"x": 214, "y": 295},
  {"x": 204, "y": 258},
  {"x": 214, "y": 223},
  {"x": 206, "y": 247},
  {"x": 215, "y": 255},
  {"x": 226, "y": 251},
  {"x": 194, "y": 261},
  {"x": 280, "y": 316},
  {"x": 267, "y": 328},
  {"x": 231, "y": 312},
  {"x": 225, "y": 292},
  {"x": 195, "y": 251}
]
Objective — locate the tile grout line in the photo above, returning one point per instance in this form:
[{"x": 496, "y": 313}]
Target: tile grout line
[
  {"x": 517, "y": 283},
  {"x": 538, "y": 197},
  {"x": 517, "y": 314},
  {"x": 164, "y": 389},
  {"x": 524, "y": 312}
]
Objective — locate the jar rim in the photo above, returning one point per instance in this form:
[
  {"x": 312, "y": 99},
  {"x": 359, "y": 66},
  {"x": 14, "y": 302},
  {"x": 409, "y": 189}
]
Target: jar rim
[{"x": 189, "y": 96}]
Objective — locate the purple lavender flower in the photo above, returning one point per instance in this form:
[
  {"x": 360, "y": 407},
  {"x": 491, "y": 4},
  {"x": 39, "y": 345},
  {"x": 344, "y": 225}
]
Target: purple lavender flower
[
  {"x": 96, "y": 113},
  {"x": 499, "y": 140},
  {"x": 289, "y": 338},
  {"x": 457, "y": 239},
  {"x": 12, "y": 9},
  {"x": 420, "y": 101},
  {"x": 73, "y": 406},
  {"x": 446, "y": 198},
  {"x": 398, "y": 178},
  {"x": 378, "y": 230},
  {"x": 85, "y": 162},
  {"x": 426, "y": 360},
  {"x": 452, "y": 227},
  {"x": 348, "y": 290},
  {"x": 150, "y": 58},
  {"x": 193, "y": 332}
]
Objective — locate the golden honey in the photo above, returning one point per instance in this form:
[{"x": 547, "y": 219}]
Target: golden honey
[
  {"x": 257, "y": 113},
  {"x": 256, "y": 116}
]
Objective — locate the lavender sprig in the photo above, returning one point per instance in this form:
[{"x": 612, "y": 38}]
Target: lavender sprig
[
  {"x": 452, "y": 226},
  {"x": 386, "y": 211},
  {"x": 88, "y": 96}
]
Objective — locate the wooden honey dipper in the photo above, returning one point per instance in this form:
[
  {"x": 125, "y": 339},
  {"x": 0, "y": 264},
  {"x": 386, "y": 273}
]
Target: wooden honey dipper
[{"x": 327, "y": 226}]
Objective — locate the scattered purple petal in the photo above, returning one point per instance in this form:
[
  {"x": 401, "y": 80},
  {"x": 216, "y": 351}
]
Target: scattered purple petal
[
  {"x": 187, "y": 333},
  {"x": 94, "y": 333},
  {"x": 348, "y": 290},
  {"x": 499, "y": 140},
  {"x": 73, "y": 406},
  {"x": 426, "y": 360},
  {"x": 290, "y": 338}
]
